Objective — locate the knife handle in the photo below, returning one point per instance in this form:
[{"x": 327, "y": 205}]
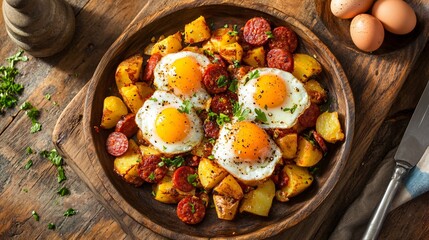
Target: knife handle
[{"x": 377, "y": 219}]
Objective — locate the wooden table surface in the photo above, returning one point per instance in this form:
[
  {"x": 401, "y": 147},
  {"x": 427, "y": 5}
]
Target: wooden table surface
[{"x": 98, "y": 24}]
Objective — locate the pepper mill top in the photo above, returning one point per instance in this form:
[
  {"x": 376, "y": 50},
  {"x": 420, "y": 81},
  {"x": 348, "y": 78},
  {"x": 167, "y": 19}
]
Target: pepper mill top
[{"x": 40, "y": 27}]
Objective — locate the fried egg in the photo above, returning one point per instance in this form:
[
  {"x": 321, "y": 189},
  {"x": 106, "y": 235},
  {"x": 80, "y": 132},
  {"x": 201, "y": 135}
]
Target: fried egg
[
  {"x": 168, "y": 124},
  {"x": 274, "y": 94},
  {"x": 246, "y": 151},
  {"x": 182, "y": 73}
]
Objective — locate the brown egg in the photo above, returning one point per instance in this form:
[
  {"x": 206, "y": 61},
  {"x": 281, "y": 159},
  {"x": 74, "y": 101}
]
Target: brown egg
[
  {"x": 395, "y": 15},
  {"x": 367, "y": 32},
  {"x": 349, "y": 8}
]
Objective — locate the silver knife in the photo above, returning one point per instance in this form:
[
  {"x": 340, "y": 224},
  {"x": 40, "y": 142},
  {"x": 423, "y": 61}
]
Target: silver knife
[{"x": 413, "y": 144}]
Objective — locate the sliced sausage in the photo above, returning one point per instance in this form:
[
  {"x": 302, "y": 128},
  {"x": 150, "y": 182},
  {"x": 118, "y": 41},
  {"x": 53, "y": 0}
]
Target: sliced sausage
[
  {"x": 216, "y": 79},
  {"x": 150, "y": 66},
  {"x": 211, "y": 129},
  {"x": 127, "y": 125},
  {"x": 192, "y": 160},
  {"x": 222, "y": 103},
  {"x": 191, "y": 210},
  {"x": 309, "y": 117},
  {"x": 255, "y": 31},
  {"x": 284, "y": 38},
  {"x": 281, "y": 59},
  {"x": 180, "y": 178},
  {"x": 117, "y": 144},
  {"x": 240, "y": 72},
  {"x": 320, "y": 141},
  {"x": 149, "y": 169}
]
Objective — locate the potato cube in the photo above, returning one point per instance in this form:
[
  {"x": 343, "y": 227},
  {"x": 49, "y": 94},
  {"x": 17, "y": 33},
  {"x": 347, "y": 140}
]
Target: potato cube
[
  {"x": 288, "y": 144},
  {"x": 148, "y": 150},
  {"x": 221, "y": 37},
  {"x": 255, "y": 57},
  {"x": 210, "y": 173},
  {"x": 126, "y": 165},
  {"x": 165, "y": 191},
  {"x": 329, "y": 127},
  {"x": 128, "y": 71},
  {"x": 231, "y": 52},
  {"x": 197, "y": 31},
  {"x": 316, "y": 92},
  {"x": 259, "y": 201},
  {"x": 305, "y": 66},
  {"x": 133, "y": 97},
  {"x": 308, "y": 155},
  {"x": 170, "y": 44},
  {"x": 226, "y": 207},
  {"x": 229, "y": 187},
  {"x": 299, "y": 180},
  {"x": 113, "y": 110}
]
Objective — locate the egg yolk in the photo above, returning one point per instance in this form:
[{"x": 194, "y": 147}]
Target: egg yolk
[
  {"x": 270, "y": 91},
  {"x": 171, "y": 125},
  {"x": 187, "y": 76},
  {"x": 251, "y": 142}
]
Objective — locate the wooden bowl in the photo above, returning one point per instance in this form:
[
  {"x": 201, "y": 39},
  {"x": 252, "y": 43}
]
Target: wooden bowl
[{"x": 161, "y": 218}]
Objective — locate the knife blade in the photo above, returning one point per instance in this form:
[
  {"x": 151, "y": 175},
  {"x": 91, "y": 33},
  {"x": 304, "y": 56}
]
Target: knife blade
[{"x": 411, "y": 148}]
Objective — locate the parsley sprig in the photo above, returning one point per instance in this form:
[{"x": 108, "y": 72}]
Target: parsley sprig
[
  {"x": 9, "y": 89},
  {"x": 240, "y": 113},
  {"x": 192, "y": 179},
  {"x": 222, "y": 81},
  {"x": 292, "y": 109},
  {"x": 33, "y": 114},
  {"x": 269, "y": 34},
  {"x": 220, "y": 118},
  {"x": 252, "y": 75},
  {"x": 177, "y": 161},
  {"x": 186, "y": 107},
  {"x": 234, "y": 31},
  {"x": 260, "y": 115},
  {"x": 57, "y": 160}
]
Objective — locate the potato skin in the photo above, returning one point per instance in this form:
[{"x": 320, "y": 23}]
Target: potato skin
[
  {"x": 210, "y": 174},
  {"x": 226, "y": 206},
  {"x": 128, "y": 71},
  {"x": 113, "y": 109},
  {"x": 305, "y": 66},
  {"x": 197, "y": 31},
  {"x": 288, "y": 145},
  {"x": 316, "y": 92},
  {"x": 299, "y": 180}
]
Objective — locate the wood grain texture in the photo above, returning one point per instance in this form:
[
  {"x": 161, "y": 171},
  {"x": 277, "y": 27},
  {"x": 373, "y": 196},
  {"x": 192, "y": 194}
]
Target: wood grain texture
[{"x": 62, "y": 76}]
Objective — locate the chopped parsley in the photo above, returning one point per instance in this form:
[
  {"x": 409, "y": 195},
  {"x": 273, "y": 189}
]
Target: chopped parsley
[
  {"x": 260, "y": 115},
  {"x": 313, "y": 170},
  {"x": 153, "y": 193},
  {"x": 222, "y": 81},
  {"x": 152, "y": 176},
  {"x": 177, "y": 161},
  {"x": 33, "y": 114},
  {"x": 233, "y": 86},
  {"x": 291, "y": 110},
  {"x": 9, "y": 90},
  {"x": 57, "y": 160},
  {"x": 25, "y": 190},
  {"x": 192, "y": 179},
  {"x": 252, "y": 75},
  {"x": 35, "y": 215},
  {"x": 234, "y": 31},
  {"x": 28, "y": 150},
  {"x": 48, "y": 96},
  {"x": 63, "y": 191},
  {"x": 61, "y": 174},
  {"x": 186, "y": 107},
  {"x": 51, "y": 226},
  {"x": 220, "y": 118},
  {"x": 153, "y": 99},
  {"x": 70, "y": 212},
  {"x": 269, "y": 34},
  {"x": 209, "y": 53},
  {"x": 236, "y": 63},
  {"x": 239, "y": 113},
  {"x": 211, "y": 157},
  {"x": 192, "y": 207},
  {"x": 28, "y": 165},
  {"x": 225, "y": 26},
  {"x": 212, "y": 140}
]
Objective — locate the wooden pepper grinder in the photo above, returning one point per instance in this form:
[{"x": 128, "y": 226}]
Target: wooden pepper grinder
[{"x": 40, "y": 27}]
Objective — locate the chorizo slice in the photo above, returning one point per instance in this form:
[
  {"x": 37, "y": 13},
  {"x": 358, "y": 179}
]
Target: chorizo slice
[
  {"x": 192, "y": 160},
  {"x": 211, "y": 129},
  {"x": 127, "y": 125},
  {"x": 256, "y": 31},
  {"x": 284, "y": 38},
  {"x": 320, "y": 141},
  {"x": 181, "y": 179},
  {"x": 309, "y": 117},
  {"x": 116, "y": 144},
  {"x": 191, "y": 210},
  {"x": 216, "y": 79},
  {"x": 150, "y": 66},
  {"x": 281, "y": 59},
  {"x": 149, "y": 169},
  {"x": 223, "y": 103}
]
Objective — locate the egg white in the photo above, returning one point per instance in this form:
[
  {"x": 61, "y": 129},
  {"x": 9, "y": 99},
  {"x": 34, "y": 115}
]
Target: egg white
[
  {"x": 248, "y": 172},
  {"x": 277, "y": 117},
  {"x": 148, "y": 113},
  {"x": 164, "y": 68}
]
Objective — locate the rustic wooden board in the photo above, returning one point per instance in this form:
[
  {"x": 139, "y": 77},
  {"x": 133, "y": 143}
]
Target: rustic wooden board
[{"x": 374, "y": 95}]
